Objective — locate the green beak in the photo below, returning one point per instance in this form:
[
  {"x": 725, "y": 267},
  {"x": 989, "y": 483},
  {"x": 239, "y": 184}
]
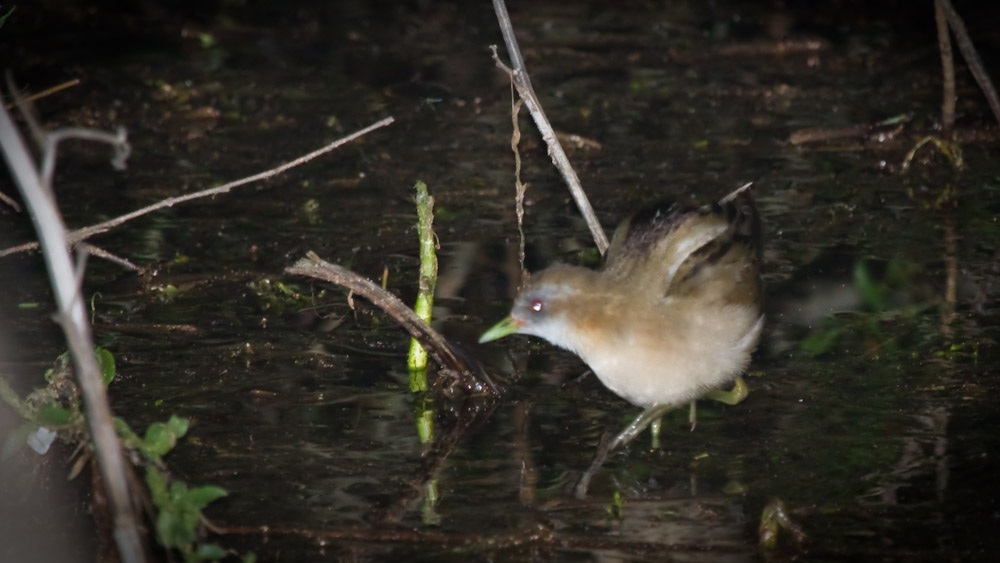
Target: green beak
[{"x": 503, "y": 328}]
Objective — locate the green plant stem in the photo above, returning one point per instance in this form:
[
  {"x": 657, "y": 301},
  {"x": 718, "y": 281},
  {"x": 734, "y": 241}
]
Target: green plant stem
[{"x": 417, "y": 360}]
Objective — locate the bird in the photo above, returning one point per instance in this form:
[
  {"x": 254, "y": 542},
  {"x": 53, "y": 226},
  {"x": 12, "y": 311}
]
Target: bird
[{"x": 672, "y": 316}]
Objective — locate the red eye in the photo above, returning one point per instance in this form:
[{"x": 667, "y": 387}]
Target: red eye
[{"x": 537, "y": 305}]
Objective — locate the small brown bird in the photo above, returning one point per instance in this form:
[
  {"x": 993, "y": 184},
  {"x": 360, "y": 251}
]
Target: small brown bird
[{"x": 672, "y": 316}]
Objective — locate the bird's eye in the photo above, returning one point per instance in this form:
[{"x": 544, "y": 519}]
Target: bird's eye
[{"x": 537, "y": 305}]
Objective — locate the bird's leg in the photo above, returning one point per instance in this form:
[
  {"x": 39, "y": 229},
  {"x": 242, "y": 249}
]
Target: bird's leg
[
  {"x": 733, "y": 396},
  {"x": 648, "y": 416},
  {"x": 638, "y": 425},
  {"x": 654, "y": 433},
  {"x": 693, "y": 415}
]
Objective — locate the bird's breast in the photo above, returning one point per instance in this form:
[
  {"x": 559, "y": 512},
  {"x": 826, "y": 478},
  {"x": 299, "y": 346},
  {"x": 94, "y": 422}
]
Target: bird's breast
[{"x": 651, "y": 359}]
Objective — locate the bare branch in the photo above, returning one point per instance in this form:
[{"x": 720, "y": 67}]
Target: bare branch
[
  {"x": 78, "y": 235},
  {"x": 72, "y": 317},
  {"x": 519, "y": 76},
  {"x": 315, "y": 267},
  {"x": 971, "y": 56}
]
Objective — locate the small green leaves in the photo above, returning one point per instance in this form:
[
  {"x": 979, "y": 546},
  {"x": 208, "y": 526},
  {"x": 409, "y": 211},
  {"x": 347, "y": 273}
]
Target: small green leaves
[
  {"x": 180, "y": 515},
  {"x": 53, "y": 415},
  {"x": 616, "y": 509},
  {"x": 106, "y": 361},
  {"x": 160, "y": 438}
]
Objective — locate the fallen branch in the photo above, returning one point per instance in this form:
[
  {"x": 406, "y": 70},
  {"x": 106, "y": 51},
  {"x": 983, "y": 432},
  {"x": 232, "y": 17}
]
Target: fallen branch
[
  {"x": 471, "y": 376},
  {"x": 78, "y": 235}
]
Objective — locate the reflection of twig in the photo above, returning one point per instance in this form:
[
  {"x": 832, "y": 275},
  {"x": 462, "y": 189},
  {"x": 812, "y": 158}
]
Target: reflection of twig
[
  {"x": 971, "y": 56},
  {"x": 519, "y": 76},
  {"x": 87, "y": 232},
  {"x": 527, "y": 487},
  {"x": 472, "y": 413},
  {"x": 471, "y": 376},
  {"x": 73, "y": 318}
]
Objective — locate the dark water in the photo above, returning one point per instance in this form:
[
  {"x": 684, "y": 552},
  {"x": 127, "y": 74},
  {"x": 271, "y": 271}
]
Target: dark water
[{"x": 869, "y": 416}]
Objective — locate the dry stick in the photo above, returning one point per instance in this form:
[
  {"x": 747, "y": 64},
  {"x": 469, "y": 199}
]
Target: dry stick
[
  {"x": 519, "y": 187},
  {"x": 48, "y": 91},
  {"x": 73, "y": 319},
  {"x": 9, "y": 201},
  {"x": 971, "y": 56},
  {"x": 49, "y": 142},
  {"x": 947, "y": 73},
  {"x": 81, "y": 234},
  {"x": 113, "y": 258},
  {"x": 519, "y": 76},
  {"x": 315, "y": 267}
]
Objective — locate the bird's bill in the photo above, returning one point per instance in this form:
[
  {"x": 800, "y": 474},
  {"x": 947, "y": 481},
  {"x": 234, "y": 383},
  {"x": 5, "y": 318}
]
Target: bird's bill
[{"x": 503, "y": 328}]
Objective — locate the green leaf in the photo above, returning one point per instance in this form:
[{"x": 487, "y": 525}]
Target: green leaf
[
  {"x": 107, "y": 362},
  {"x": 52, "y": 415},
  {"x": 819, "y": 343},
  {"x": 178, "y": 425},
  {"x": 129, "y": 438},
  {"x": 158, "y": 439},
  {"x": 170, "y": 530},
  {"x": 17, "y": 439},
  {"x": 872, "y": 292},
  {"x": 203, "y": 496},
  {"x": 178, "y": 489},
  {"x": 157, "y": 487},
  {"x": 210, "y": 552}
]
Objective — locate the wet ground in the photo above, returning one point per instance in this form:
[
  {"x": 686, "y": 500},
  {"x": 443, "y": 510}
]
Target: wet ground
[{"x": 871, "y": 413}]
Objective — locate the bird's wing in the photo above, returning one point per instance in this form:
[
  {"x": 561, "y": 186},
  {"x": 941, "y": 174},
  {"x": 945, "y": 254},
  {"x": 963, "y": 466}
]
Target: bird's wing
[{"x": 675, "y": 250}]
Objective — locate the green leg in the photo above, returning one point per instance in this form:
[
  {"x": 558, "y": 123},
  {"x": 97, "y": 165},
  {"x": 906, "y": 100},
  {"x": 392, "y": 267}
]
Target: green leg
[
  {"x": 693, "y": 415},
  {"x": 654, "y": 431},
  {"x": 638, "y": 425},
  {"x": 650, "y": 416},
  {"x": 733, "y": 396}
]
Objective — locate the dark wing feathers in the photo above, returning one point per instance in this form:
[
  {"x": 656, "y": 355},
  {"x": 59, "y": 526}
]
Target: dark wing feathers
[{"x": 710, "y": 252}]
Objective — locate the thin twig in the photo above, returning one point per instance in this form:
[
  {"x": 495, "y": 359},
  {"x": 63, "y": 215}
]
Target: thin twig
[
  {"x": 72, "y": 317},
  {"x": 47, "y": 91},
  {"x": 78, "y": 235},
  {"x": 947, "y": 73},
  {"x": 471, "y": 375},
  {"x": 519, "y": 76},
  {"x": 519, "y": 187},
  {"x": 113, "y": 258},
  {"x": 118, "y": 140},
  {"x": 10, "y": 201},
  {"x": 971, "y": 56}
]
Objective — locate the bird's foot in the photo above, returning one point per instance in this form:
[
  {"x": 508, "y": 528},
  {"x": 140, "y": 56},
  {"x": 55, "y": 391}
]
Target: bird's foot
[{"x": 733, "y": 396}]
